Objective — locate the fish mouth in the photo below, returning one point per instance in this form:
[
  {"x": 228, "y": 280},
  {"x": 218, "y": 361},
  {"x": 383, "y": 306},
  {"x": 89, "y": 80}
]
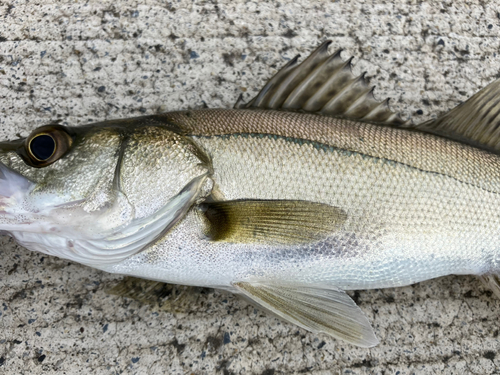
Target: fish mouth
[
  {"x": 14, "y": 187},
  {"x": 12, "y": 183}
]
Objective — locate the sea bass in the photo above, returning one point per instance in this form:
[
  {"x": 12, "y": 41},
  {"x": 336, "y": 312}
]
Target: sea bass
[{"x": 310, "y": 189}]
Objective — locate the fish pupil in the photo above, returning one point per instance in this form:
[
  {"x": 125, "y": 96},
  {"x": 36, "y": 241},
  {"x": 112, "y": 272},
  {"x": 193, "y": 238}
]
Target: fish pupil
[{"x": 42, "y": 147}]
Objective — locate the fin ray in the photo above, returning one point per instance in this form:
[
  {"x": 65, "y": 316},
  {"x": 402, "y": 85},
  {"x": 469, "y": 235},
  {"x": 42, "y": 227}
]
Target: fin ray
[
  {"x": 316, "y": 308},
  {"x": 476, "y": 121},
  {"x": 270, "y": 221}
]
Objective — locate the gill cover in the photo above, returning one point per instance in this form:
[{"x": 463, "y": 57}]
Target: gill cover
[{"x": 100, "y": 193}]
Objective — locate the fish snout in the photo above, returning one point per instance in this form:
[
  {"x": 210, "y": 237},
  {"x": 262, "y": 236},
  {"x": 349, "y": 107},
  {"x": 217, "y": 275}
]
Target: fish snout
[{"x": 13, "y": 187}]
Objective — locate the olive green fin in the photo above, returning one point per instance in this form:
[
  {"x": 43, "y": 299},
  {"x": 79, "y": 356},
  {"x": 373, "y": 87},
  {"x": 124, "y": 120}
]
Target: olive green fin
[
  {"x": 270, "y": 221},
  {"x": 492, "y": 282},
  {"x": 158, "y": 295},
  {"x": 476, "y": 121},
  {"x": 315, "y": 308},
  {"x": 323, "y": 84}
]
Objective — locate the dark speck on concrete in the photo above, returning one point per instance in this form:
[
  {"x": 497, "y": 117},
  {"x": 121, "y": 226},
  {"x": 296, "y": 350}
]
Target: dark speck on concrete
[
  {"x": 101, "y": 89},
  {"x": 203, "y": 354},
  {"x": 135, "y": 359},
  {"x": 489, "y": 355},
  {"x": 321, "y": 344},
  {"x": 390, "y": 299},
  {"x": 214, "y": 342},
  {"x": 420, "y": 112},
  {"x": 440, "y": 42},
  {"x": 105, "y": 328},
  {"x": 227, "y": 338},
  {"x": 41, "y": 358},
  {"x": 179, "y": 347},
  {"x": 2, "y": 361},
  {"x": 38, "y": 334},
  {"x": 269, "y": 371},
  {"x": 193, "y": 55},
  {"x": 490, "y": 26},
  {"x": 42, "y": 54},
  {"x": 135, "y": 14},
  {"x": 30, "y": 321},
  {"x": 289, "y": 33}
]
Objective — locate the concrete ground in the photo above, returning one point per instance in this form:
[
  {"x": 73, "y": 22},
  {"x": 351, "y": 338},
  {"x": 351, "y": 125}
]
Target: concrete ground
[{"x": 84, "y": 62}]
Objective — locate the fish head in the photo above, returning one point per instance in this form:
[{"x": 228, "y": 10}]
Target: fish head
[{"x": 101, "y": 193}]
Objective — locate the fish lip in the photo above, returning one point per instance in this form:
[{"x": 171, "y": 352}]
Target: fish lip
[
  {"x": 14, "y": 188},
  {"x": 13, "y": 183}
]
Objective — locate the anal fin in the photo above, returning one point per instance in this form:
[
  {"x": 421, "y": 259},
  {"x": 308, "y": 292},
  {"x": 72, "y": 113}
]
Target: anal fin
[{"x": 315, "y": 308}]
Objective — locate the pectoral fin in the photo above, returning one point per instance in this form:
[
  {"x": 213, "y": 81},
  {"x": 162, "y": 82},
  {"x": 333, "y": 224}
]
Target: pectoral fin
[
  {"x": 315, "y": 308},
  {"x": 270, "y": 221}
]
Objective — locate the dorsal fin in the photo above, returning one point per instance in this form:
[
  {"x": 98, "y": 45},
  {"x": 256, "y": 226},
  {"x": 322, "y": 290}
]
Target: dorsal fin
[
  {"x": 476, "y": 121},
  {"x": 323, "y": 84}
]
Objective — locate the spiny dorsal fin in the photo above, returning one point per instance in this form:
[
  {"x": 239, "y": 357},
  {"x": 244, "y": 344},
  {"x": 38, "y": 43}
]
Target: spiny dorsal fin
[
  {"x": 477, "y": 121},
  {"x": 323, "y": 84}
]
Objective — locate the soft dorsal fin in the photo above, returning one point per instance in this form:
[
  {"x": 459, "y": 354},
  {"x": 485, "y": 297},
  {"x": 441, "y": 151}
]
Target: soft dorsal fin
[
  {"x": 476, "y": 121},
  {"x": 323, "y": 84}
]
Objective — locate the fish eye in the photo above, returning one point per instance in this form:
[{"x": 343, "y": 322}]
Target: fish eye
[
  {"x": 46, "y": 145},
  {"x": 42, "y": 146}
]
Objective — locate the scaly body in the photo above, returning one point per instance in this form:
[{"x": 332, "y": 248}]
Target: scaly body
[{"x": 426, "y": 208}]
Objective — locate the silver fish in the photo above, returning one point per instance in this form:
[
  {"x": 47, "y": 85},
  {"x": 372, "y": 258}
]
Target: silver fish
[{"x": 310, "y": 189}]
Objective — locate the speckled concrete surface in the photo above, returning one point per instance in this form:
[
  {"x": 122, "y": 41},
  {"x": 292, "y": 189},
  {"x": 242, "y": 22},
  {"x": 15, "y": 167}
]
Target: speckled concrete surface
[{"x": 111, "y": 59}]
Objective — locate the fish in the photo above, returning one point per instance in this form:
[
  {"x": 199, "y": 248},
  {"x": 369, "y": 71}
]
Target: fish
[{"x": 310, "y": 189}]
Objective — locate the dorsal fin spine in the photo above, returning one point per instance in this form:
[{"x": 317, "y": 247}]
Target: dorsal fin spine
[
  {"x": 294, "y": 98},
  {"x": 322, "y": 84},
  {"x": 311, "y": 105},
  {"x": 296, "y": 75},
  {"x": 364, "y": 99},
  {"x": 380, "y": 108},
  {"x": 346, "y": 89},
  {"x": 260, "y": 98}
]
